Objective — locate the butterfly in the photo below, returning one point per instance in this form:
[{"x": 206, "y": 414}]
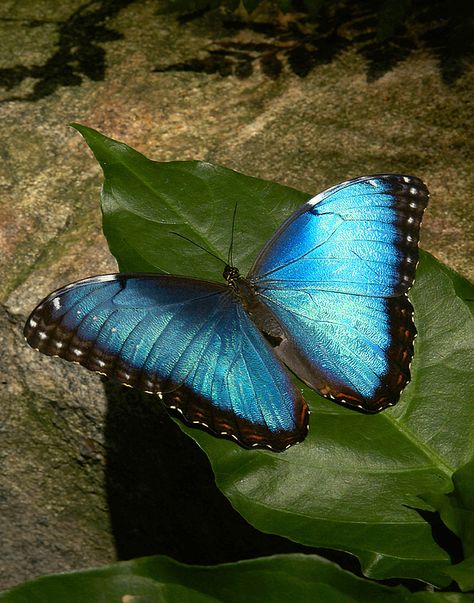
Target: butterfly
[{"x": 326, "y": 299}]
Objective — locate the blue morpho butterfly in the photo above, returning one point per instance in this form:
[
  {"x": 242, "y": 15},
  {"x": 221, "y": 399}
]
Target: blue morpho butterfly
[{"x": 327, "y": 297}]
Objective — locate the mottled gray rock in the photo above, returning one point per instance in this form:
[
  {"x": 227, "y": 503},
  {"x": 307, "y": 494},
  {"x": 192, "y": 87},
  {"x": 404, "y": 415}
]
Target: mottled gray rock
[
  {"x": 52, "y": 511},
  {"x": 304, "y": 132}
]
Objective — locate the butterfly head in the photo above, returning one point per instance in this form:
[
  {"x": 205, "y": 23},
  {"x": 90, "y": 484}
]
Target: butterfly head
[{"x": 231, "y": 274}]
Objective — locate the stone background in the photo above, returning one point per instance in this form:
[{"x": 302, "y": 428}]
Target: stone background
[{"x": 89, "y": 472}]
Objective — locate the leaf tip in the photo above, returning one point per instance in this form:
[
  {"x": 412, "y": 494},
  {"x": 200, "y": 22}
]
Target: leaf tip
[
  {"x": 103, "y": 147},
  {"x": 87, "y": 133}
]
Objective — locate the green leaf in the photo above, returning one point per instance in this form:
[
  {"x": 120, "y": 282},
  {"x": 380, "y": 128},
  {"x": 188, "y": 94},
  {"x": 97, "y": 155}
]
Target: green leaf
[
  {"x": 355, "y": 482},
  {"x": 457, "y": 508},
  {"x": 295, "y": 578},
  {"x": 144, "y": 202},
  {"x": 443, "y": 597},
  {"x": 463, "y": 573},
  {"x": 457, "y": 511}
]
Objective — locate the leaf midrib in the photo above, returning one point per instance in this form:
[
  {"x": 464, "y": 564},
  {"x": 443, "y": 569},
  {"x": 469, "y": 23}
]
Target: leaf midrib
[{"x": 253, "y": 502}]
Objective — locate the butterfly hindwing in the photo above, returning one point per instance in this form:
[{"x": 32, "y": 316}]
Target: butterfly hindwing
[
  {"x": 335, "y": 276},
  {"x": 184, "y": 338}
]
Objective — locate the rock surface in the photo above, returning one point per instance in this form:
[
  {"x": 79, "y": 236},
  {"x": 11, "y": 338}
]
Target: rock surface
[{"x": 75, "y": 490}]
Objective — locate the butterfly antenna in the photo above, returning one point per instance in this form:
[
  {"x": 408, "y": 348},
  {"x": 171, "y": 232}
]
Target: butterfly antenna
[
  {"x": 197, "y": 245},
  {"x": 230, "y": 255}
]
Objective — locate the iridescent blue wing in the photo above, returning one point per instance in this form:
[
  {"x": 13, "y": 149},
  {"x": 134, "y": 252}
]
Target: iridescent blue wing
[
  {"x": 335, "y": 276},
  {"x": 184, "y": 338}
]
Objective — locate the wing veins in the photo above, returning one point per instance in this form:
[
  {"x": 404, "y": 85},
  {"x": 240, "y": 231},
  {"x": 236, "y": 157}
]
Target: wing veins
[
  {"x": 262, "y": 414},
  {"x": 73, "y": 332},
  {"x": 172, "y": 317},
  {"x": 373, "y": 345},
  {"x": 270, "y": 374},
  {"x": 234, "y": 360},
  {"x": 336, "y": 291},
  {"x": 294, "y": 260},
  {"x": 206, "y": 344},
  {"x": 139, "y": 323}
]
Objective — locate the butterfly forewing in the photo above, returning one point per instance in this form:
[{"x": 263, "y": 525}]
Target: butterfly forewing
[
  {"x": 185, "y": 338},
  {"x": 335, "y": 276}
]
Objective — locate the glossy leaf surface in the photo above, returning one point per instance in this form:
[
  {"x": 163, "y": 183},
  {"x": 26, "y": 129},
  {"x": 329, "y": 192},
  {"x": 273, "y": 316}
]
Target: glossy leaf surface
[
  {"x": 457, "y": 511},
  {"x": 296, "y": 578},
  {"x": 355, "y": 482}
]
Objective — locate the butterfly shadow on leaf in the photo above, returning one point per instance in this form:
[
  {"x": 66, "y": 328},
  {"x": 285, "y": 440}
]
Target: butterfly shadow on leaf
[{"x": 161, "y": 492}]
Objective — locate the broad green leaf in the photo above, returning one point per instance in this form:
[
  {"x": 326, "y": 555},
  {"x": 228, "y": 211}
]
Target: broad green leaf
[
  {"x": 457, "y": 511},
  {"x": 355, "y": 483},
  {"x": 145, "y": 202},
  {"x": 295, "y": 578},
  {"x": 463, "y": 573}
]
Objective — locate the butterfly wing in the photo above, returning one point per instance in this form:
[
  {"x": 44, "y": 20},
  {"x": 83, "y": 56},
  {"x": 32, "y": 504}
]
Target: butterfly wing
[
  {"x": 335, "y": 276},
  {"x": 181, "y": 337}
]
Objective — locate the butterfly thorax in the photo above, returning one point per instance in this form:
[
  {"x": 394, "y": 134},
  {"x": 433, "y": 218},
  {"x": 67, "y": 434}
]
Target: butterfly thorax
[{"x": 244, "y": 292}]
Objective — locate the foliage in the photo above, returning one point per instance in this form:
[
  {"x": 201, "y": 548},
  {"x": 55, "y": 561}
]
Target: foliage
[
  {"x": 457, "y": 511},
  {"x": 296, "y": 578}
]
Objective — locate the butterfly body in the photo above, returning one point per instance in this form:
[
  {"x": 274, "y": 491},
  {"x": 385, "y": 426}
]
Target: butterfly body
[
  {"x": 244, "y": 293},
  {"x": 325, "y": 298}
]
